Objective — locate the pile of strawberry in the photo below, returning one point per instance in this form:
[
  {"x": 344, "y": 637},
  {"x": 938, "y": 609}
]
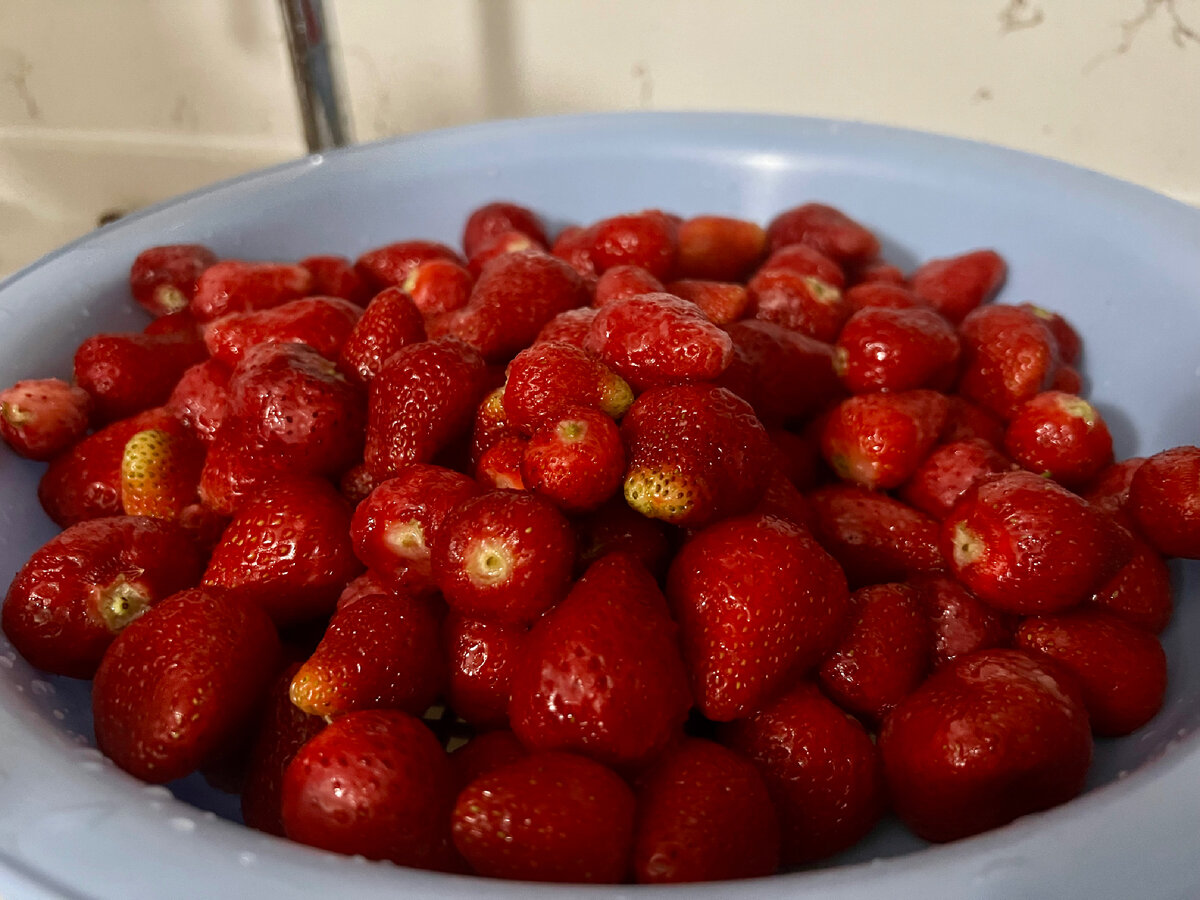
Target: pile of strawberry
[{"x": 702, "y": 545}]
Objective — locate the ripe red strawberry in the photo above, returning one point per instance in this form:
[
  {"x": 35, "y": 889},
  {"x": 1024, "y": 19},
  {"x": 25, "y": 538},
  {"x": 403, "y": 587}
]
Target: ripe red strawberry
[
  {"x": 987, "y": 738},
  {"x": 798, "y": 456},
  {"x": 574, "y": 246},
  {"x": 946, "y": 473},
  {"x": 956, "y": 285},
  {"x": 1061, "y": 436},
  {"x": 1070, "y": 346},
  {"x": 623, "y": 282},
  {"x": 210, "y": 659},
  {"x": 493, "y": 219},
  {"x": 616, "y": 528},
  {"x": 481, "y": 655},
  {"x": 128, "y": 373},
  {"x": 570, "y": 327},
  {"x": 287, "y": 550},
  {"x": 875, "y": 538},
  {"x": 160, "y": 472},
  {"x": 883, "y": 655},
  {"x": 235, "y": 286},
  {"x": 721, "y": 302},
  {"x": 758, "y": 602},
  {"x": 321, "y": 322},
  {"x": 878, "y": 440},
  {"x": 961, "y": 622},
  {"x": 696, "y": 453},
  {"x": 647, "y": 239},
  {"x": 43, "y": 417},
  {"x": 783, "y": 500},
  {"x": 548, "y": 817},
  {"x": 395, "y": 528},
  {"x": 1068, "y": 380},
  {"x": 1164, "y": 501},
  {"x": 783, "y": 374},
  {"x": 501, "y": 245},
  {"x": 200, "y": 398},
  {"x": 805, "y": 260},
  {"x": 1026, "y": 545},
  {"x": 283, "y": 730},
  {"x": 483, "y": 753},
  {"x": 335, "y": 276},
  {"x": 380, "y": 652},
  {"x": 391, "y": 321},
  {"x": 500, "y": 465},
  {"x": 423, "y": 398},
  {"x": 968, "y": 421},
  {"x": 825, "y": 229},
  {"x": 365, "y": 585},
  {"x": 374, "y": 783},
  {"x": 181, "y": 324},
  {"x": 802, "y": 303},
  {"x": 549, "y": 378},
  {"x": 820, "y": 767},
  {"x": 82, "y": 587},
  {"x": 1140, "y": 593},
  {"x": 163, "y": 279},
  {"x": 877, "y": 272},
  {"x": 600, "y": 674},
  {"x": 1008, "y": 357},
  {"x": 85, "y": 481},
  {"x": 504, "y": 555},
  {"x": 1121, "y": 669},
  {"x": 883, "y": 295},
  {"x": 719, "y": 248},
  {"x": 896, "y": 350},
  {"x": 389, "y": 265},
  {"x": 491, "y": 424},
  {"x": 576, "y": 460},
  {"x": 655, "y": 340},
  {"x": 515, "y": 296},
  {"x": 704, "y": 814},
  {"x": 439, "y": 286}
]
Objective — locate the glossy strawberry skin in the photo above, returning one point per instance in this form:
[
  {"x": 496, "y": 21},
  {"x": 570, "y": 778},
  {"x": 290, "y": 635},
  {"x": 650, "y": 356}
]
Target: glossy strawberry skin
[
  {"x": 481, "y": 655},
  {"x": 549, "y": 817},
  {"x": 719, "y": 248},
  {"x": 1164, "y": 501},
  {"x": 877, "y": 272},
  {"x": 600, "y": 674},
  {"x": 957, "y": 285},
  {"x": 323, "y": 323},
  {"x": 483, "y": 753},
  {"x": 439, "y": 286},
  {"x": 232, "y": 286},
  {"x": 821, "y": 768},
  {"x": 805, "y": 260},
  {"x": 287, "y": 550},
  {"x": 961, "y": 623},
  {"x": 163, "y": 279},
  {"x": 390, "y": 322},
  {"x": 570, "y": 327},
  {"x": 878, "y": 440},
  {"x": 1070, "y": 345},
  {"x": 1061, "y": 436},
  {"x": 897, "y": 350},
  {"x": 41, "y": 418},
  {"x": 374, "y": 783},
  {"x": 1024, "y": 544},
  {"x": 491, "y": 220},
  {"x": 335, "y": 276},
  {"x": 1109, "y": 490},
  {"x": 722, "y": 302},
  {"x": 1140, "y": 593},
  {"x": 704, "y": 814},
  {"x": 547, "y": 379},
  {"x": 802, "y": 303},
  {"x": 500, "y": 465},
  {"x": 422, "y": 399},
  {"x": 758, "y": 602},
  {"x": 80, "y": 589},
  {"x": 1121, "y": 669},
  {"x": 1009, "y": 356},
  {"x": 129, "y": 373},
  {"x": 200, "y": 398},
  {"x": 968, "y": 421},
  {"x": 882, "y": 295},
  {"x": 989, "y": 737},
  {"x": 623, "y": 282},
  {"x": 211, "y": 660},
  {"x": 648, "y": 239},
  {"x": 783, "y": 374},
  {"x": 576, "y": 461},
  {"x": 389, "y": 265},
  {"x": 947, "y": 472},
  {"x": 825, "y": 229}
]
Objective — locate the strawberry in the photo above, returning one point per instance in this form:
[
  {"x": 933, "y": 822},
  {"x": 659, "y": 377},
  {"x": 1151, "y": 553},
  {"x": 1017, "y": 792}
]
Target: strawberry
[
  {"x": 877, "y": 272},
  {"x": 960, "y": 621},
  {"x": 41, "y": 418},
  {"x": 1008, "y": 357},
  {"x": 1121, "y": 669},
  {"x": 798, "y": 456},
  {"x": 570, "y": 327},
  {"x": 547, "y": 817},
  {"x": 820, "y": 767},
  {"x": 483, "y": 753},
  {"x": 802, "y": 303},
  {"x": 236, "y": 286},
  {"x": 1068, "y": 380},
  {"x": 884, "y": 654},
  {"x": 1140, "y": 592},
  {"x": 987, "y": 738},
  {"x": 375, "y": 783},
  {"x": 391, "y": 322},
  {"x": 500, "y": 464},
  {"x": 624, "y": 282},
  {"x": 160, "y": 472},
  {"x": 501, "y": 245},
  {"x": 321, "y": 322},
  {"x": 516, "y": 295},
  {"x": 968, "y": 421},
  {"x": 491, "y": 424},
  {"x": 80, "y": 589},
  {"x": 181, "y": 682},
  {"x": 883, "y": 295},
  {"x": 654, "y": 340},
  {"x": 956, "y": 285},
  {"x": 1061, "y": 436},
  {"x": 825, "y": 229},
  {"x": 574, "y": 246},
  {"x": 647, "y": 239},
  {"x": 1164, "y": 501},
  {"x": 380, "y": 652},
  {"x": 500, "y": 217},
  {"x": 616, "y": 528},
  {"x": 783, "y": 374},
  {"x": 784, "y": 501},
  {"x": 547, "y": 379},
  {"x": 287, "y": 550},
  {"x": 704, "y": 814},
  {"x": 163, "y": 279},
  {"x": 128, "y": 373},
  {"x": 719, "y": 248},
  {"x": 874, "y": 537},
  {"x": 946, "y": 473},
  {"x": 481, "y": 655},
  {"x": 696, "y": 453},
  {"x": 878, "y": 440},
  {"x": 365, "y": 585},
  {"x": 200, "y": 397},
  {"x": 721, "y": 302},
  {"x": 422, "y": 399},
  {"x": 1070, "y": 346},
  {"x": 896, "y": 350},
  {"x": 335, "y": 276},
  {"x": 805, "y": 260},
  {"x": 576, "y": 461},
  {"x": 439, "y": 286},
  {"x": 758, "y": 601},
  {"x": 181, "y": 324},
  {"x": 504, "y": 555},
  {"x": 395, "y": 528},
  {"x": 389, "y": 265},
  {"x": 1026, "y": 545},
  {"x": 600, "y": 674}
]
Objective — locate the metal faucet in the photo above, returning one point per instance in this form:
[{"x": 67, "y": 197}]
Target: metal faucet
[{"x": 318, "y": 81}]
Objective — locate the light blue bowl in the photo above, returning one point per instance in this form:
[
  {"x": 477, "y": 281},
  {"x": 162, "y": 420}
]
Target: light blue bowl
[{"x": 1123, "y": 264}]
